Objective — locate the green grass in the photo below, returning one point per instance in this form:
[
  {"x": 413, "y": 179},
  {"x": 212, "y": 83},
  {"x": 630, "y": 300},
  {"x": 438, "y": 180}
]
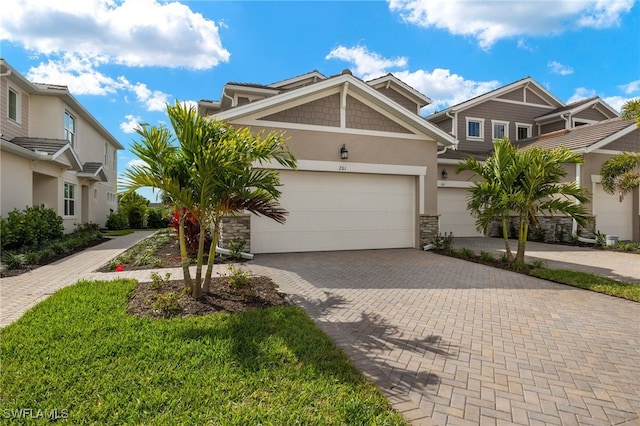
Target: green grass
[
  {"x": 81, "y": 352},
  {"x": 118, "y": 232},
  {"x": 587, "y": 281}
]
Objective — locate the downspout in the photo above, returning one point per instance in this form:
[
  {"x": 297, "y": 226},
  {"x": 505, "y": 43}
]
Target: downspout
[
  {"x": 233, "y": 101},
  {"x": 567, "y": 122},
  {"x": 453, "y": 131},
  {"x": 574, "y": 225}
]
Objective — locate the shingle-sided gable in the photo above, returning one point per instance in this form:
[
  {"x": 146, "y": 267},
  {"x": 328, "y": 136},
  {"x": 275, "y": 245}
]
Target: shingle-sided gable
[{"x": 356, "y": 105}]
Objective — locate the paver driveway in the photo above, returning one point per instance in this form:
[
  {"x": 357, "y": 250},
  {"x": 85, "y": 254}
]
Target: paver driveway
[{"x": 452, "y": 342}]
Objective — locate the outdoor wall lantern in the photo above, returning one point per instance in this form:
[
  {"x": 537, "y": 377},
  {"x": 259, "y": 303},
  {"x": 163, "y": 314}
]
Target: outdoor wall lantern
[
  {"x": 444, "y": 174},
  {"x": 344, "y": 154}
]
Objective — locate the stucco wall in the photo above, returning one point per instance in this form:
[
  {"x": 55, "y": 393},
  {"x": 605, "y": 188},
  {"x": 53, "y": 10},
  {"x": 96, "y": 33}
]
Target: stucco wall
[{"x": 15, "y": 182}]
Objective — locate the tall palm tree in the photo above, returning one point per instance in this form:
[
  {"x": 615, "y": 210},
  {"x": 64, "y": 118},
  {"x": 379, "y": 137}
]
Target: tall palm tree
[
  {"x": 621, "y": 173},
  {"x": 492, "y": 196},
  {"x": 523, "y": 183},
  {"x": 208, "y": 174},
  {"x": 540, "y": 190}
]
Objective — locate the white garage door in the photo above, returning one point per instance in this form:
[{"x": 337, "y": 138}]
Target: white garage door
[
  {"x": 612, "y": 216},
  {"x": 454, "y": 217},
  {"x": 339, "y": 211}
]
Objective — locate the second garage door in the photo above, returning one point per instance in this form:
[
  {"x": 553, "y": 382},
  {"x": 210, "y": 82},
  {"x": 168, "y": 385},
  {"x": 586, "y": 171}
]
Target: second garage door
[
  {"x": 454, "y": 217},
  {"x": 339, "y": 211},
  {"x": 612, "y": 216}
]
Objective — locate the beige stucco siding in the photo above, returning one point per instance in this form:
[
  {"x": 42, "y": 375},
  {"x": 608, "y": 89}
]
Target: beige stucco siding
[
  {"x": 325, "y": 146},
  {"x": 15, "y": 182}
]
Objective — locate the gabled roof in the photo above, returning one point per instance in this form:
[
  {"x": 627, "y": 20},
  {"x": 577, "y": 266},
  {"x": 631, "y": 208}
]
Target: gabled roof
[
  {"x": 402, "y": 87},
  {"x": 61, "y": 92},
  {"x": 313, "y": 76},
  {"x": 578, "y": 106},
  {"x": 43, "y": 150},
  {"x": 524, "y": 82},
  {"x": 354, "y": 85},
  {"x": 94, "y": 171},
  {"x": 585, "y": 138}
]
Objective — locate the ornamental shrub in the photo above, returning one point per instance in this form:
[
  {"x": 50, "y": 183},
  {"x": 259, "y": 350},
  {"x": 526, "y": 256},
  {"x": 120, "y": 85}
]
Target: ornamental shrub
[
  {"x": 31, "y": 227},
  {"x": 116, "y": 221}
]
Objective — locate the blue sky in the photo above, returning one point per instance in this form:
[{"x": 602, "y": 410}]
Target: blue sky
[{"x": 124, "y": 59}]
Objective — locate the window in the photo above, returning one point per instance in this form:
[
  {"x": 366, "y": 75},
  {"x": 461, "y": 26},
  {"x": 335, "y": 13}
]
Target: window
[
  {"x": 106, "y": 154},
  {"x": 523, "y": 131},
  {"x": 14, "y": 105},
  {"x": 70, "y": 128},
  {"x": 69, "y": 199},
  {"x": 500, "y": 129},
  {"x": 115, "y": 159},
  {"x": 475, "y": 128}
]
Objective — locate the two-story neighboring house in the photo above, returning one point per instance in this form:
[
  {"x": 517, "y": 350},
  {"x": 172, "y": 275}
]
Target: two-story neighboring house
[
  {"x": 367, "y": 161},
  {"x": 527, "y": 113},
  {"x": 53, "y": 152}
]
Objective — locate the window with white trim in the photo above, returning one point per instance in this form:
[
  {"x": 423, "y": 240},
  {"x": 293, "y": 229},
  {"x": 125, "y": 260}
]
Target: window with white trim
[
  {"x": 106, "y": 154},
  {"x": 475, "y": 128},
  {"x": 69, "y": 199},
  {"x": 115, "y": 159},
  {"x": 70, "y": 128},
  {"x": 499, "y": 129},
  {"x": 523, "y": 131},
  {"x": 14, "y": 109}
]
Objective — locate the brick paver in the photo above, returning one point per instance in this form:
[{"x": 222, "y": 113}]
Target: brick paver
[
  {"x": 448, "y": 341},
  {"x": 453, "y": 342}
]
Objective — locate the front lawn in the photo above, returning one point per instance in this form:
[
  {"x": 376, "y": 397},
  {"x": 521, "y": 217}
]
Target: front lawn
[{"x": 80, "y": 355}]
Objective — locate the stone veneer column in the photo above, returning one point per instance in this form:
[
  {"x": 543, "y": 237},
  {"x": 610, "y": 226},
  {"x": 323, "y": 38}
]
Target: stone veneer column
[
  {"x": 429, "y": 226},
  {"x": 236, "y": 227}
]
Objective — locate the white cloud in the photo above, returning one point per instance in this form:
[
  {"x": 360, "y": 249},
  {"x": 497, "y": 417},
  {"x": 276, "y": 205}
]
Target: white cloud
[
  {"x": 82, "y": 76},
  {"x": 131, "y": 124},
  {"x": 443, "y": 87},
  {"x": 581, "y": 93},
  {"x": 129, "y": 32},
  {"x": 616, "y": 102},
  {"x": 491, "y": 21},
  {"x": 631, "y": 87},
  {"x": 556, "y": 67},
  {"x": 136, "y": 163},
  {"x": 368, "y": 64}
]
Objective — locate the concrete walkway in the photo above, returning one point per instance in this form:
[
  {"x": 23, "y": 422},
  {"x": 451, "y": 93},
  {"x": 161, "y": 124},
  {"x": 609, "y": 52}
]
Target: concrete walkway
[
  {"x": 448, "y": 341},
  {"x": 607, "y": 263},
  {"x": 17, "y": 294}
]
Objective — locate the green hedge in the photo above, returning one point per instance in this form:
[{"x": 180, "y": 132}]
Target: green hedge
[{"x": 33, "y": 226}]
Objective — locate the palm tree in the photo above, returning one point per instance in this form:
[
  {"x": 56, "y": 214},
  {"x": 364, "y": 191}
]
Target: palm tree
[
  {"x": 209, "y": 173},
  {"x": 492, "y": 197},
  {"x": 541, "y": 192},
  {"x": 523, "y": 183},
  {"x": 620, "y": 174}
]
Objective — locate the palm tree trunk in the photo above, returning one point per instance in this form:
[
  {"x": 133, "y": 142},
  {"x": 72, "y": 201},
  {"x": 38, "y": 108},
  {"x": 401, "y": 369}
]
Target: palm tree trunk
[
  {"x": 198, "y": 282},
  {"x": 505, "y": 235},
  {"x": 188, "y": 282},
  {"x": 215, "y": 236},
  {"x": 523, "y": 231}
]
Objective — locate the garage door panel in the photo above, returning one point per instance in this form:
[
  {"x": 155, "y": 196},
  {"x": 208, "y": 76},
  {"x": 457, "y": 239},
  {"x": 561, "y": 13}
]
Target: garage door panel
[
  {"x": 612, "y": 216},
  {"x": 339, "y": 211},
  {"x": 454, "y": 217}
]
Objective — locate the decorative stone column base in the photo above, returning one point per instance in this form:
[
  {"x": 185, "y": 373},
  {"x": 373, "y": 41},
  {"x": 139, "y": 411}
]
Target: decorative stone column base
[
  {"x": 429, "y": 226},
  {"x": 233, "y": 227}
]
